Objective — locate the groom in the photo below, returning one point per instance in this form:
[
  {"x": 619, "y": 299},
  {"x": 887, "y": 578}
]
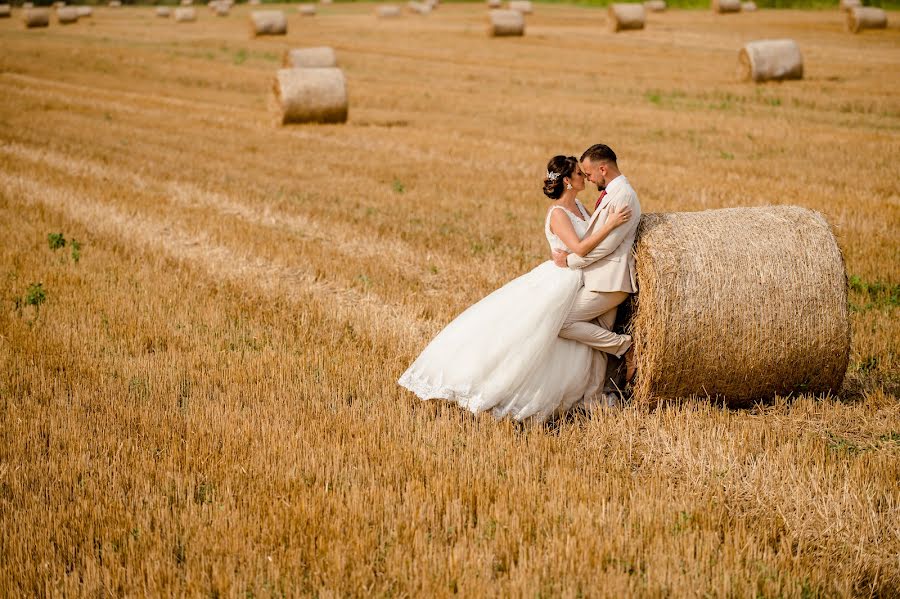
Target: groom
[{"x": 609, "y": 271}]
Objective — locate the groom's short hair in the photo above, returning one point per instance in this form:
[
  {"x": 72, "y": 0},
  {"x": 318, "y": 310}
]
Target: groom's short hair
[{"x": 599, "y": 153}]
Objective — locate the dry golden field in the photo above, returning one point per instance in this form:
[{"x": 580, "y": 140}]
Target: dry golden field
[{"x": 205, "y": 401}]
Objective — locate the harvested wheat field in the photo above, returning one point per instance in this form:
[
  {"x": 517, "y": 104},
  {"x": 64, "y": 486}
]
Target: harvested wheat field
[{"x": 197, "y": 385}]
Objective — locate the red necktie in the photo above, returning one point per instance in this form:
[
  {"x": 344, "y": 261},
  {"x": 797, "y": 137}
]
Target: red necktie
[{"x": 600, "y": 199}]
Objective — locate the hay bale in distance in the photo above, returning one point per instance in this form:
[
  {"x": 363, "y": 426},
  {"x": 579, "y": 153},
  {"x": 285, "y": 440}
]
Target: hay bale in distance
[
  {"x": 494, "y": 3},
  {"x": 307, "y": 10},
  {"x": 419, "y": 8},
  {"x": 626, "y": 16},
  {"x": 848, "y": 5},
  {"x": 748, "y": 6},
  {"x": 187, "y": 2},
  {"x": 387, "y": 11},
  {"x": 866, "y": 17},
  {"x": 185, "y": 14},
  {"x": 770, "y": 60},
  {"x": 66, "y": 15},
  {"x": 319, "y": 57},
  {"x": 115, "y": 4},
  {"x": 84, "y": 11},
  {"x": 725, "y": 6},
  {"x": 36, "y": 17},
  {"x": 506, "y": 23},
  {"x": 268, "y": 22},
  {"x": 254, "y": 2},
  {"x": 311, "y": 95},
  {"x": 222, "y": 9},
  {"x": 523, "y": 6},
  {"x": 163, "y": 11},
  {"x": 5, "y": 11},
  {"x": 740, "y": 304},
  {"x": 655, "y": 5}
]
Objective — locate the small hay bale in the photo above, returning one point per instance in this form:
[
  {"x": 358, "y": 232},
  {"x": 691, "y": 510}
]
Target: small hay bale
[
  {"x": 770, "y": 60},
  {"x": 748, "y": 6},
  {"x": 186, "y": 2},
  {"x": 185, "y": 14},
  {"x": 739, "y": 304},
  {"x": 494, "y": 3},
  {"x": 222, "y": 10},
  {"x": 418, "y": 8},
  {"x": 311, "y": 95},
  {"x": 505, "y": 23},
  {"x": 5, "y": 11},
  {"x": 268, "y": 22},
  {"x": 66, "y": 15},
  {"x": 725, "y": 6},
  {"x": 626, "y": 16},
  {"x": 58, "y": 4},
  {"x": 387, "y": 11},
  {"x": 848, "y": 5},
  {"x": 320, "y": 57},
  {"x": 163, "y": 11},
  {"x": 36, "y": 17},
  {"x": 115, "y": 4},
  {"x": 866, "y": 17},
  {"x": 307, "y": 10},
  {"x": 523, "y": 6},
  {"x": 84, "y": 11},
  {"x": 655, "y": 5}
]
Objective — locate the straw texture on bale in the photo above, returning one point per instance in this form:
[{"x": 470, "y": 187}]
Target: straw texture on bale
[
  {"x": 387, "y": 11},
  {"x": 726, "y": 6},
  {"x": 748, "y": 6},
  {"x": 739, "y": 304},
  {"x": 84, "y": 11},
  {"x": 311, "y": 95},
  {"x": 494, "y": 3},
  {"x": 185, "y": 14},
  {"x": 36, "y": 17},
  {"x": 626, "y": 16},
  {"x": 503, "y": 23},
  {"x": 268, "y": 22},
  {"x": 307, "y": 10},
  {"x": 847, "y": 5},
  {"x": 765, "y": 60},
  {"x": 5, "y": 11},
  {"x": 866, "y": 17},
  {"x": 163, "y": 11},
  {"x": 523, "y": 6},
  {"x": 67, "y": 15},
  {"x": 655, "y": 5},
  {"x": 320, "y": 57}
]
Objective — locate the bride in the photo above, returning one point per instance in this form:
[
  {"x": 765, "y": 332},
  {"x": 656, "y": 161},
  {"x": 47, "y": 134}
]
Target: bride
[{"x": 504, "y": 353}]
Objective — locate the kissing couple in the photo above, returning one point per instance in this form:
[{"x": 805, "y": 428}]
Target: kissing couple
[{"x": 538, "y": 346}]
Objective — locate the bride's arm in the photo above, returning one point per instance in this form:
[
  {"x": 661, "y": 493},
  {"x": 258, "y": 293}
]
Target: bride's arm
[{"x": 562, "y": 227}]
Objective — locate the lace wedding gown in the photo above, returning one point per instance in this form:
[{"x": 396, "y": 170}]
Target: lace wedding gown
[{"x": 504, "y": 353}]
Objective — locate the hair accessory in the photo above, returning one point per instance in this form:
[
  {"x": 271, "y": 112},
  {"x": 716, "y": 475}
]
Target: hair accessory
[{"x": 552, "y": 176}]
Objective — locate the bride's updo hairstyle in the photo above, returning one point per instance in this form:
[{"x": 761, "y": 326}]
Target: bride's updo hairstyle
[{"x": 558, "y": 169}]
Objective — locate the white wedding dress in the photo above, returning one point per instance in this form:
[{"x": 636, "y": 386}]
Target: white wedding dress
[{"x": 504, "y": 353}]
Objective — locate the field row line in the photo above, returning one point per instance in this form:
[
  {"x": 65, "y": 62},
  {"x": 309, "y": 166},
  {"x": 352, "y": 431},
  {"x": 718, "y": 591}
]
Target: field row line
[{"x": 218, "y": 261}]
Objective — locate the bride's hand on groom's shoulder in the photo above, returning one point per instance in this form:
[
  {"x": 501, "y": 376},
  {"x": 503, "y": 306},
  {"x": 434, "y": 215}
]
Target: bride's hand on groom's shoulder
[
  {"x": 618, "y": 217},
  {"x": 559, "y": 258}
]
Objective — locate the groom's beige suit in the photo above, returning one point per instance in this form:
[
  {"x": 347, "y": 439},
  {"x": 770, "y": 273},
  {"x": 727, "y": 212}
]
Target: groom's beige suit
[{"x": 609, "y": 276}]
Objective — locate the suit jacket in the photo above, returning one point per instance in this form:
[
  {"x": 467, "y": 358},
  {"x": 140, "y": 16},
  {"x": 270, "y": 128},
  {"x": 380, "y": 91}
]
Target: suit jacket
[{"x": 610, "y": 265}]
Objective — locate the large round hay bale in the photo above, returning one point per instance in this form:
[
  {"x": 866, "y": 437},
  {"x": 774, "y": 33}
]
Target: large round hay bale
[
  {"x": 163, "y": 11},
  {"x": 307, "y": 10},
  {"x": 725, "y": 6},
  {"x": 66, "y": 15},
  {"x": 321, "y": 57},
  {"x": 185, "y": 14},
  {"x": 5, "y": 11},
  {"x": 504, "y": 23},
  {"x": 84, "y": 11},
  {"x": 765, "y": 60},
  {"x": 739, "y": 304},
  {"x": 866, "y": 17},
  {"x": 387, "y": 11},
  {"x": 523, "y": 6},
  {"x": 847, "y": 5},
  {"x": 36, "y": 17},
  {"x": 655, "y": 5},
  {"x": 311, "y": 95},
  {"x": 748, "y": 7},
  {"x": 626, "y": 16},
  {"x": 268, "y": 22},
  {"x": 494, "y": 3}
]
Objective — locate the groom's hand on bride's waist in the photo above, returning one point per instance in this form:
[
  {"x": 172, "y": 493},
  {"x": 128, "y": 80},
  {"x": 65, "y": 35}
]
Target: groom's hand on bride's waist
[{"x": 559, "y": 258}]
